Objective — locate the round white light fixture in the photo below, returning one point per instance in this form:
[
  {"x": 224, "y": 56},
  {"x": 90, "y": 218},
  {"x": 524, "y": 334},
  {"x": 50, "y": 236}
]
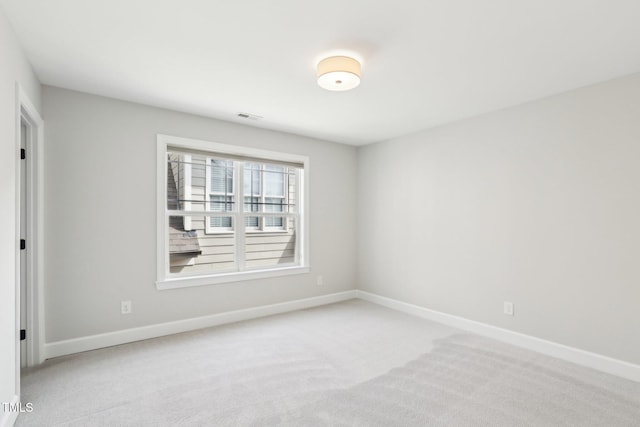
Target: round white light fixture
[{"x": 338, "y": 73}]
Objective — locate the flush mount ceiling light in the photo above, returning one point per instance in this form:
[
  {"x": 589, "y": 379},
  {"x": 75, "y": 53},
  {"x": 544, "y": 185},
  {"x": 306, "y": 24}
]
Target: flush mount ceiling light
[{"x": 338, "y": 73}]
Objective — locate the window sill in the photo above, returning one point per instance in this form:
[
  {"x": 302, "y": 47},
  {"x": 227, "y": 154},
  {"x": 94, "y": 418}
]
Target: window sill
[
  {"x": 187, "y": 282},
  {"x": 231, "y": 232}
]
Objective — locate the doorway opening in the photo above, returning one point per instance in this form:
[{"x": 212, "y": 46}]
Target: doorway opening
[
  {"x": 29, "y": 231},
  {"x": 25, "y": 130}
]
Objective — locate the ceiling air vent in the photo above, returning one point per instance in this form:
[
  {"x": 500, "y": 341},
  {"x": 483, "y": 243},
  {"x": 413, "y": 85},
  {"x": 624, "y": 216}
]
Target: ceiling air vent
[{"x": 249, "y": 116}]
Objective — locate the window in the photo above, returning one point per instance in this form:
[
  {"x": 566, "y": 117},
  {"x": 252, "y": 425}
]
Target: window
[
  {"x": 267, "y": 188},
  {"x": 228, "y": 213},
  {"x": 219, "y": 176}
]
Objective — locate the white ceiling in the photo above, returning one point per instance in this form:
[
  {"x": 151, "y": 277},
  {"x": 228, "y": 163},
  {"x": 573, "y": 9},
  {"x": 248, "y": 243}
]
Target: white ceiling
[{"x": 424, "y": 62}]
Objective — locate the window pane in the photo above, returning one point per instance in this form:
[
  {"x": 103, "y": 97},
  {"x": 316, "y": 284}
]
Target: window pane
[
  {"x": 194, "y": 251},
  {"x": 274, "y": 180},
  {"x": 252, "y": 179},
  {"x": 251, "y": 204},
  {"x": 220, "y": 222},
  {"x": 221, "y": 204},
  {"x": 186, "y": 181},
  {"x": 273, "y": 222},
  {"x": 207, "y": 207},
  {"x": 293, "y": 191},
  {"x": 273, "y": 204},
  {"x": 271, "y": 250},
  {"x": 222, "y": 176},
  {"x": 173, "y": 182}
]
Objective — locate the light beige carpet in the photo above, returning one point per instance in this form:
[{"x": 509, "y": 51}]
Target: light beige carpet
[
  {"x": 351, "y": 363},
  {"x": 472, "y": 381}
]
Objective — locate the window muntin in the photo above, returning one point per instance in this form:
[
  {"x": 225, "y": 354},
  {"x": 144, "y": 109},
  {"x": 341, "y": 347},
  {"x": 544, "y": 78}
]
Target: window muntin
[{"x": 271, "y": 236}]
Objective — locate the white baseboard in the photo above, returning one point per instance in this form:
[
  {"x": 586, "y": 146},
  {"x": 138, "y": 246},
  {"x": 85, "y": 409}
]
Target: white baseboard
[
  {"x": 560, "y": 351},
  {"x": 591, "y": 360},
  {"x": 92, "y": 342},
  {"x": 9, "y": 418}
]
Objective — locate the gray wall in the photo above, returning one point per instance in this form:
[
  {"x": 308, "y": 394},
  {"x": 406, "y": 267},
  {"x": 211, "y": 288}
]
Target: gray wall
[
  {"x": 101, "y": 227},
  {"x": 13, "y": 68},
  {"x": 538, "y": 205}
]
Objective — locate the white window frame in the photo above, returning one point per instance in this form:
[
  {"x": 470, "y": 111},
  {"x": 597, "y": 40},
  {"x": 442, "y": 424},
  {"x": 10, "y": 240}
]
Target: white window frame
[{"x": 166, "y": 280}]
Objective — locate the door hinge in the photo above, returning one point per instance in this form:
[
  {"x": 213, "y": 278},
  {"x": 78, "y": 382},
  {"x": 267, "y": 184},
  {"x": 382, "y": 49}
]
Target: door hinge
[
  {"x": 23, "y": 153},
  {"x": 23, "y": 334},
  {"x": 23, "y": 244}
]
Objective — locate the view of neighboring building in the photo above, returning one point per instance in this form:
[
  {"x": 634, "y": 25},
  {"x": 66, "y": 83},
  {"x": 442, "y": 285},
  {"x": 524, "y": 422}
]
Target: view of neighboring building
[{"x": 204, "y": 243}]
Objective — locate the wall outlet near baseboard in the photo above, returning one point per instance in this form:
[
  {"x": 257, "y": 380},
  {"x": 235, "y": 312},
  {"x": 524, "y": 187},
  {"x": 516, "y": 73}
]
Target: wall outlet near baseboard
[
  {"x": 508, "y": 308},
  {"x": 319, "y": 281},
  {"x": 125, "y": 307}
]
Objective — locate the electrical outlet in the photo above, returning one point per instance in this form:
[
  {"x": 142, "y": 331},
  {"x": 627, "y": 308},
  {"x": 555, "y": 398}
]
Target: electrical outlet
[
  {"x": 319, "y": 281},
  {"x": 508, "y": 308},
  {"x": 125, "y": 307}
]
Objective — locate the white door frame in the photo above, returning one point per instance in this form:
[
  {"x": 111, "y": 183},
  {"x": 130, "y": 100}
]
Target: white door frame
[{"x": 25, "y": 110}]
